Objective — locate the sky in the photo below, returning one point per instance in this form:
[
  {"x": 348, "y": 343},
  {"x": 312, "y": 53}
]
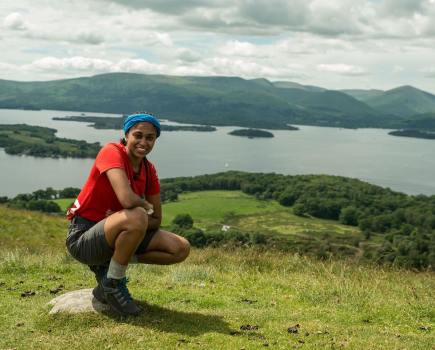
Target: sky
[{"x": 336, "y": 44}]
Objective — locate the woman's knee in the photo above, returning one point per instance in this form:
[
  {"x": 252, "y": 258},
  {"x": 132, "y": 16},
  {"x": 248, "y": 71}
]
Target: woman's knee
[
  {"x": 183, "y": 249},
  {"x": 136, "y": 219}
]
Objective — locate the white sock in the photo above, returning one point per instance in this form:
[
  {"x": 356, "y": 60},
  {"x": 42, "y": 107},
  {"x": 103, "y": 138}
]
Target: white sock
[{"x": 116, "y": 270}]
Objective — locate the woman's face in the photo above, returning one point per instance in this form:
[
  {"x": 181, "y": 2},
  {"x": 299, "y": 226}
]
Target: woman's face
[{"x": 140, "y": 139}]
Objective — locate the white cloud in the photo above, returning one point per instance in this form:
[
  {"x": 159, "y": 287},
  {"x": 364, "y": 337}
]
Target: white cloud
[
  {"x": 428, "y": 71},
  {"x": 341, "y": 68},
  {"x": 160, "y": 38},
  {"x": 243, "y": 49},
  {"x": 14, "y": 21},
  {"x": 94, "y": 65},
  {"x": 316, "y": 42},
  {"x": 72, "y": 63}
]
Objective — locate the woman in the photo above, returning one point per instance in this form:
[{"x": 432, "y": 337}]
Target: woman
[{"x": 116, "y": 218}]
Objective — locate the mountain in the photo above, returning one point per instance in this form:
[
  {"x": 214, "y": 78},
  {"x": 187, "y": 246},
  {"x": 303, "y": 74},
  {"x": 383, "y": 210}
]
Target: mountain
[
  {"x": 425, "y": 121},
  {"x": 292, "y": 85},
  {"x": 404, "y": 101},
  {"x": 254, "y": 103},
  {"x": 363, "y": 95}
]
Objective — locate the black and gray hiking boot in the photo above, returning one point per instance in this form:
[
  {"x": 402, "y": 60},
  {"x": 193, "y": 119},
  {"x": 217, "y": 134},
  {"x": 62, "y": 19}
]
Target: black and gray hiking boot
[
  {"x": 118, "y": 297},
  {"x": 100, "y": 272}
]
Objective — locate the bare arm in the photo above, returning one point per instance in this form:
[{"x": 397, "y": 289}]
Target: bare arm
[
  {"x": 155, "y": 219},
  {"x": 119, "y": 181}
]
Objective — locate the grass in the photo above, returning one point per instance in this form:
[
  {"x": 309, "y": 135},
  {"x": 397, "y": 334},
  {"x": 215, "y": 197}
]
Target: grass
[
  {"x": 211, "y": 209},
  {"x": 203, "y": 302}
]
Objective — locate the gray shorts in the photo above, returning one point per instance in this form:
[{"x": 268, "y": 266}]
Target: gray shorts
[{"x": 87, "y": 243}]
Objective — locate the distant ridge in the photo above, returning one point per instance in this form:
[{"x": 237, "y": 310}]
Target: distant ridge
[
  {"x": 403, "y": 101},
  {"x": 254, "y": 103}
]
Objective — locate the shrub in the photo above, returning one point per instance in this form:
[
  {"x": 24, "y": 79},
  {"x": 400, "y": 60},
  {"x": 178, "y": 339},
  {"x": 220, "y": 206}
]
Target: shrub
[{"x": 184, "y": 221}]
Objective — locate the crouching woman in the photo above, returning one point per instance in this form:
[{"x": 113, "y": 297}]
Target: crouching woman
[{"x": 116, "y": 218}]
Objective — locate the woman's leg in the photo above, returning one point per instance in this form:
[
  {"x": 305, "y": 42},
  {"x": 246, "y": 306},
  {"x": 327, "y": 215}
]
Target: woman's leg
[
  {"x": 165, "y": 248},
  {"x": 124, "y": 230}
]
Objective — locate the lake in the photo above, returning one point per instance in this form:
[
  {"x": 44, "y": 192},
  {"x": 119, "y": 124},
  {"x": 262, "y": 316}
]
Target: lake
[{"x": 403, "y": 164}]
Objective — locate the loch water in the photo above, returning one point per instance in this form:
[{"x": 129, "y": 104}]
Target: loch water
[{"x": 403, "y": 164}]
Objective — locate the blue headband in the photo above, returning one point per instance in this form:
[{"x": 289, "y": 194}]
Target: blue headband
[{"x": 137, "y": 118}]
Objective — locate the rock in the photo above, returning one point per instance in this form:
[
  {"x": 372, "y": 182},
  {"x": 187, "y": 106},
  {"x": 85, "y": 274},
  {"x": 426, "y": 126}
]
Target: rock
[{"x": 77, "y": 301}]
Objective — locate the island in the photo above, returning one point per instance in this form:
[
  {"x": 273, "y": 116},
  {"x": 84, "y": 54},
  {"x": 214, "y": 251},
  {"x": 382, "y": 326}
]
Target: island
[
  {"x": 413, "y": 133},
  {"x": 251, "y": 133},
  {"x": 37, "y": 141},
  {"x": 116, "y": 123}
]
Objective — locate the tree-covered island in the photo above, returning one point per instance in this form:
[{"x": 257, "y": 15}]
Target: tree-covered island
[
  {"x": 254, "y": 133},
  {"x": 116, "y": 123},
  {"x": 413, "y": 133},
  {"x": 37, "y": 141},
  {"x": 251, "y": 133}
]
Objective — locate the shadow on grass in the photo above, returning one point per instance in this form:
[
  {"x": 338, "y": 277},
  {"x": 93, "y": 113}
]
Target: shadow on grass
[{"x": 173, "y": 321}]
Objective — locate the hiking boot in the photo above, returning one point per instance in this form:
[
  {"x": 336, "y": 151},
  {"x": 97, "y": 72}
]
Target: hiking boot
[
  {"x": 98, "y": 294},
  {"x": 118, "y": 297},
  {"x": 100, "y": 272}
]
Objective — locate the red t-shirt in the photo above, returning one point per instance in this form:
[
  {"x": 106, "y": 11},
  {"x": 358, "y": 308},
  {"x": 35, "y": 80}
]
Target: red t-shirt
[{"x": 97, "y": 197}]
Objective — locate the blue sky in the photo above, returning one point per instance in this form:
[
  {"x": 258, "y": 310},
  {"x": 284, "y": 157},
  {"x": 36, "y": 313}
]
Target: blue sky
[{"x": 336, "y": 44}]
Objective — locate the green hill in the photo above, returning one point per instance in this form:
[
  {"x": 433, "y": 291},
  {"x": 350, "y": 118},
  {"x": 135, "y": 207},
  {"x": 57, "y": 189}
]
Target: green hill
[
  {"x": 363, "y": 95},
  {"x": 256, "y": 103},
  {"x": 425, "y": 121},
  {"x": 404, "y": 101},
  {"x": 225, "y": 298},
  {"x": 293, "y": 85}
]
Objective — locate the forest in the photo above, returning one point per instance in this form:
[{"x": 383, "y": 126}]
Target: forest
[
  {"x": 401, "y": 227},
  {"x": 37, "y": 141}
]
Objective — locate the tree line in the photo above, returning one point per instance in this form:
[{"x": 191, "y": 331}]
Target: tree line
[
  {"x": 401, "y": 227},
  {"x": 406, "y": 223}
]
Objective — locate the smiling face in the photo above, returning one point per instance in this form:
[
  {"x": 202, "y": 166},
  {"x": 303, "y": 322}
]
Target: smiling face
[{"x": 140, "y": 141}]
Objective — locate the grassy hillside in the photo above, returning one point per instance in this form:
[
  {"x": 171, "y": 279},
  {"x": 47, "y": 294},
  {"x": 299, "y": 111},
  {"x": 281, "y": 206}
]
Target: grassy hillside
[
  {"x": 256, "y": 103},
  {"x": 211, "y": 209},
  {"x": 404, "y": 101},
  {"x": 361, "y": 94},
  {"x": 37, "y": 141},
  {"x": 208, "y": 301}
]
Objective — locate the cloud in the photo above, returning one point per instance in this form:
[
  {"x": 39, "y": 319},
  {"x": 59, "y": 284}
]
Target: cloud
[
  {"x": 342, "y": 69},
  {"x": 94, "y": 65},
  {"x": 187, "y": 55},
  {"x": 73, "y": 63},
  {"x": 402, "y": 8},
  {"x": 89, "y": 38},
  {"x": 168, "y": 6},
  {"x": 14, "y": 21},
  {"x": 243, "y": 49},
  {"x": 159, "y": 38},
  {"x": 429, "y": 72},
  {"x": 275, "y": 12}
]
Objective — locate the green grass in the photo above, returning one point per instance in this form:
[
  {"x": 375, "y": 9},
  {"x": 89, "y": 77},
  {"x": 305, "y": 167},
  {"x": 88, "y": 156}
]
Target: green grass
[
  {"x": 64, "y": 203},
  {"x": 211, "y": 209},
  {"x": 203, "y": 302}
]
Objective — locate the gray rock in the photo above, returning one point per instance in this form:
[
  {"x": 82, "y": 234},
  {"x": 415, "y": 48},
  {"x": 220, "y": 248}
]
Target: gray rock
[{"x": 77, "y": 301}]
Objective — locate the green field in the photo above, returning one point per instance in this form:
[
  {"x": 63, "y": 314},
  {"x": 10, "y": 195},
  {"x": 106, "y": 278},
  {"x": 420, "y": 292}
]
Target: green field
[
  {"x": 212, "y": 209},
  {"x": 203, "y": 302}
]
